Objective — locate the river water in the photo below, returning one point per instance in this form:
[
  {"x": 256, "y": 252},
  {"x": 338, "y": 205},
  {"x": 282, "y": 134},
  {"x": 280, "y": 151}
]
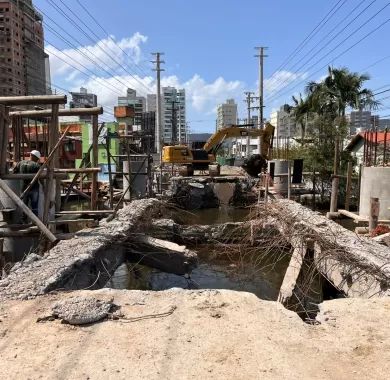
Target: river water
[{"x": 215, "y": 270}]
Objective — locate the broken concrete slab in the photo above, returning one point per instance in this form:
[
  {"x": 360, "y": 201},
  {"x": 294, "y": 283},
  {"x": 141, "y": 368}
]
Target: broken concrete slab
[
  {"x": 81, "y": 310},
  {"x": 86, "y": 261},
  {"x": 161, "y": 254},
  {"x": 355, "y": 265}
]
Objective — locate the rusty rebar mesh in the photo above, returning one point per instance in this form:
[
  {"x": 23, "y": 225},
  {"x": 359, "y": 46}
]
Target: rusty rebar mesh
[{"x": 274, "y": 230}]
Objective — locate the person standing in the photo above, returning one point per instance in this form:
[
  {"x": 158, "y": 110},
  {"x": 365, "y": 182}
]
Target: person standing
[{"x": 30, "y": 166}]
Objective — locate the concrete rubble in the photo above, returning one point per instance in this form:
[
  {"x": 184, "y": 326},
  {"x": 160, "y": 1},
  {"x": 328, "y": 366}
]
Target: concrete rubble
[
  {"x": 81, "y": 310},
  {"x": 86, "y": 261}
]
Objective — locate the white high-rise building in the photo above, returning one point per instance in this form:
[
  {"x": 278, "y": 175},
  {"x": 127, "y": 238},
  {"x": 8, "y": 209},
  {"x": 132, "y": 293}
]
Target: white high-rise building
[
  {"x": 151, "y": 103},
  {"x": 138, "y": 102},
  {"x": 173, "y": 104},
  {"x": 284, "y": 123},
  {"x": 226, "y": 114}
]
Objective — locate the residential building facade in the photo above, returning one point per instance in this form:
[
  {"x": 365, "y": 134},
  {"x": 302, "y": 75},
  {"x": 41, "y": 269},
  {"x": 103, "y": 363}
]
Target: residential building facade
[
  {"x": 226, "y": 114},
  {"x": 173, "y": 107},
  {"x": 360, "y": 121},
  {"x": 83, "y": 99},
  {"x": 284, "y": 123},
  {"x": 23, "y": 61},
  {"x": 137, "y": 102},
  {"x": 151, "y": 103}
]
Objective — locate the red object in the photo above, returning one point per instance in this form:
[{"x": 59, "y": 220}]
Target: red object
[{"x": 123, "y": 111}]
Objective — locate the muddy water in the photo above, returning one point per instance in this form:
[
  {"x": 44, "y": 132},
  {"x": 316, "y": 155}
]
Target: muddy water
[
  {"x": 215, "y": 270},
  {"x": 263, "y": 282},
  {"x": 222, "y": 215}
]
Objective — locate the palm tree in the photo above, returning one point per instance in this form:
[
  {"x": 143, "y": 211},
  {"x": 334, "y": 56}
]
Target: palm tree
[
  {"x": 300, "y": 110},
  {"x": 339, "y": 90}
]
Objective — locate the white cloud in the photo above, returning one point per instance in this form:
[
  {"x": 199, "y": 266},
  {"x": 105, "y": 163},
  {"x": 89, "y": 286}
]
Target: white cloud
[
  {"x": 280, "y": 79},
  {"x": 106, "y": 55},
  {"x": 202, "y": 96}
]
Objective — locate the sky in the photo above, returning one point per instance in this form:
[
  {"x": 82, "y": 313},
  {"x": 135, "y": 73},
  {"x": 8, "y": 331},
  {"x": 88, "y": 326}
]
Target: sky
[{"x": 209, "y": 48}]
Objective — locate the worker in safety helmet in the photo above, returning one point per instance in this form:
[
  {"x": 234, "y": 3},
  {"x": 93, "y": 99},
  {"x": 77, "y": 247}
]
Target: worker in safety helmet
[{"x": 30, "y": 166}]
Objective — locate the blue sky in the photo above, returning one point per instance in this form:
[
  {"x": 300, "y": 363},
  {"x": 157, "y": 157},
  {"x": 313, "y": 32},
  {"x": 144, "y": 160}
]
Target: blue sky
[{"x": 209, "y": 47}]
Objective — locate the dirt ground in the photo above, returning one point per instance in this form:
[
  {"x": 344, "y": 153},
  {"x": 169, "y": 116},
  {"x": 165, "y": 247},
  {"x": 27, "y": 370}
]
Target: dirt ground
[{"x": 206, "y": 334}]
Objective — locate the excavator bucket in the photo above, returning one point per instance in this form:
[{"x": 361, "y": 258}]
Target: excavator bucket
[{"x": 254, "y": 165}]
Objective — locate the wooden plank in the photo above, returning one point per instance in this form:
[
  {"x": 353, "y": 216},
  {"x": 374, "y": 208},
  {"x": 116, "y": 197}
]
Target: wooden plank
[
  {"x": 32, "y": 100},
  {"x": 48, "y": 159},
  {"x": 78, "y": 170},
  {"x": 27, "y": 211},
  {"x": 85, "y": 212},
  {"x": 44, "y": 175},
  {"x": 62, "y": 112},
  {"x": 72, "y": 221},
  {"x": 3, "y": 141},
  {"x": 95, "y": 159},
  {"x": 348, "y": 186},
  {"x": 352, "y": 215},
  {"x": 2, "y": 258}
]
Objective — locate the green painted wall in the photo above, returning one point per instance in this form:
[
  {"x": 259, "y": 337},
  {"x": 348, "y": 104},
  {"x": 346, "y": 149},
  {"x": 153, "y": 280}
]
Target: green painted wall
[{"x": 86, "y": 142}]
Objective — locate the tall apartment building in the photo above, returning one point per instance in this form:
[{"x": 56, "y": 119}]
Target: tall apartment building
[
  {"x": 151, "y": 103},
  {"x": 173, "y": 105},
  {"x": 23, "y": 62},
  {"x": 284, "y": 123},
  {"x": 226, "y": 114},
  {"x": 83, "y": 99},
  {"x": 137, "y": 102},
  {"x": 362, "y": 121}
]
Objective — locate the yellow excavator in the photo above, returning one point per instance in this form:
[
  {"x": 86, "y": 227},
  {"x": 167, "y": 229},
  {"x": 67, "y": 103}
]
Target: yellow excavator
[{"x": 200, "y": 159}]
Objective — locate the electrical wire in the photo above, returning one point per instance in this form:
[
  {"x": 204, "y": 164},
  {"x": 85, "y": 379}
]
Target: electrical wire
[
  {"x": 109, "y": 36},
  {"x": 331, "y": 39},
  {"x": 319, "y": 26},
  {"x": 273, "y": 97},
  {"x": 81, "y": 30}
]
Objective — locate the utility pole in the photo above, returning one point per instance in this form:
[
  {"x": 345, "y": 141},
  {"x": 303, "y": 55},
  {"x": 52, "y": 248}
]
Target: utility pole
[
  {"x": 158, "y": 132},
  {"x": 261, "y": 57},
  {"x": 249, "y": 99},
  {"x": 180, "y": 140}
]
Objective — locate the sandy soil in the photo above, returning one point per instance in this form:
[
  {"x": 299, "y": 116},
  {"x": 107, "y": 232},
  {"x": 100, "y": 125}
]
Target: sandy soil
[{"x": 209, "y": 335}]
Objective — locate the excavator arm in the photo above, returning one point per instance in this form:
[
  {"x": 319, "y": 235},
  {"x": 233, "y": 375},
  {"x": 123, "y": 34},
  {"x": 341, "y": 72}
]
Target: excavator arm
[{"x": 216, "y": 140}]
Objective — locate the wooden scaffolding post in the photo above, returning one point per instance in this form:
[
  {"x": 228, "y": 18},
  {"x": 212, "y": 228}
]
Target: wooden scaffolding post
[
  {"x": 43, "y": 166},
  {"x": 348, "y": 187},
  {"x": 55, "y": 130},
  {"x": 335, "y": 179},
  {"x": 27, "y": 211},
  {"x": 95, "y": 159},
  {"x": 51, "y": 164},
  {"x": 4, "y": 127}
]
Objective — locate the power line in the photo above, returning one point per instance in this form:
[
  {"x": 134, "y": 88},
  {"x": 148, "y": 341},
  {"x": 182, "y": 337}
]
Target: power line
[
  {"x": 319, "y": 26},
  {"x": 93, "y": 76},
  {"x": 108, "y": 35},
  {"x": 281, "y": 81},
  {"x": 96, "y": 36},
  {"x": 82, "y": 54},
  {"x": 376, "y": 62},
  {"x": 338, "y": 45},
  {"x": 72, "y": 22},
  {"x": 334, "y": 58}
]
